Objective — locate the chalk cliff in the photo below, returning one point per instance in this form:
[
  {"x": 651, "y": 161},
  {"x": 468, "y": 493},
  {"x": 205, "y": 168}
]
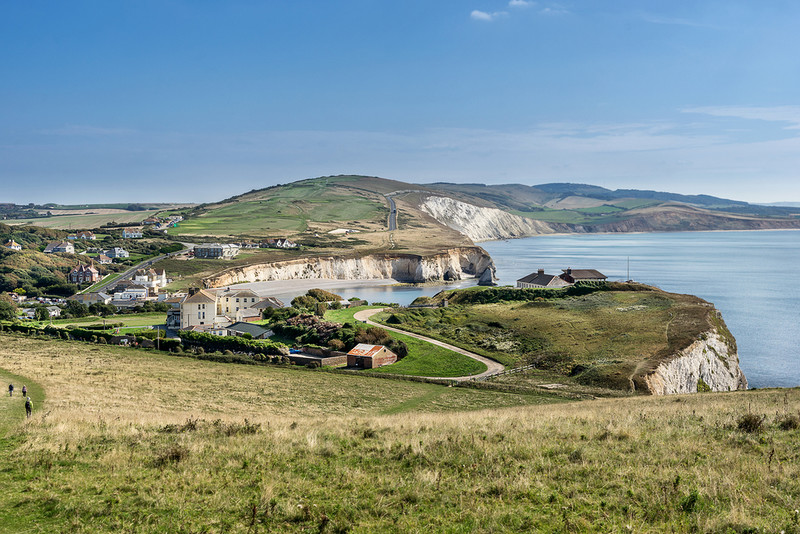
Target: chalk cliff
[
  {"x": 710, "y": 359},
  {"x": 486, "y": 224},
  {"x": 452, "y": 264}
]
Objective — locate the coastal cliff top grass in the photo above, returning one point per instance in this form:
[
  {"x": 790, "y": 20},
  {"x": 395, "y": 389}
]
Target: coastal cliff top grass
[
  {"x": 130, "y": 441},
  {"x": 605, "y": 336}
]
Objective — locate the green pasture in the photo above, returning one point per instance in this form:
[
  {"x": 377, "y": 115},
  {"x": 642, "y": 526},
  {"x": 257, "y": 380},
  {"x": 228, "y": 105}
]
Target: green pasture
[
  {"x": 282, "y": 211},
  {"x": 423, "y": 359}
]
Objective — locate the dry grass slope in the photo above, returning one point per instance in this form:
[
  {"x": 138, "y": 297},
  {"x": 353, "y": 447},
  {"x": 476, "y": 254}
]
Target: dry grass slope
[{"x": 128, "y": 442}]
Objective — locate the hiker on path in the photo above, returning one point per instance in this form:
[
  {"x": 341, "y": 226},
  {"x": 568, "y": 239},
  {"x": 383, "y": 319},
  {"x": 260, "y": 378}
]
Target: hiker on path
[
  {"x": 24, "y": 390},
  {"x": 11, "y": 390},
  {"x": 28, "y": 407}
]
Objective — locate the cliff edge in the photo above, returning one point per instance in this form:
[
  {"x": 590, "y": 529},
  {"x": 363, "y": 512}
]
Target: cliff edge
[{"x": 452, "y": 264}]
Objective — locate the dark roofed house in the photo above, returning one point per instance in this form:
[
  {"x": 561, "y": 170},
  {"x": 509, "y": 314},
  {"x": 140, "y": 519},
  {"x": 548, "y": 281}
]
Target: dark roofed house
[
  {"x": 571, "y": 275},
  {"x": 241, "y": 328},
  {"x": 539, "y": 279},
  {"x": 268, "y": 302}
]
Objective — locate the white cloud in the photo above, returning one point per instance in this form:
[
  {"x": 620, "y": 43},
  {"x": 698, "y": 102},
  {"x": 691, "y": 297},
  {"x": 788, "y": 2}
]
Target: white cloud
[
  {"x": 486, "y": 17},
  {"x": 521, "y": 3},
  {"x": 660, "y": 19},
  {"x": 554, "y": 10},
  {"x": 85, "y": 130},
  {"x": 790, "y": 114}
]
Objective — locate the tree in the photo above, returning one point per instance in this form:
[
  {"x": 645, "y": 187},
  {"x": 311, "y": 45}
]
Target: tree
[
  {"x": 76, "y": 309},
  {"x": 8, "y": 312},
  {"x": 41, "y": 314}
]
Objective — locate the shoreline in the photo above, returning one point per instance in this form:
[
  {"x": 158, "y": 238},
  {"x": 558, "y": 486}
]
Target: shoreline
[{"x": 637, "y": 233}]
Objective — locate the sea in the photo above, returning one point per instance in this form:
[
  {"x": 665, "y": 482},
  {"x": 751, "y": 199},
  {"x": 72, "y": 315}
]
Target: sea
[{"x": 753, "y": 278}]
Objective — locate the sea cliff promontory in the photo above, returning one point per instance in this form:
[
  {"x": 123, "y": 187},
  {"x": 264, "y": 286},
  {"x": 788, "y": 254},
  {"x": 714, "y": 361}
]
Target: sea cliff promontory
[{"x": 451, "y": 264}]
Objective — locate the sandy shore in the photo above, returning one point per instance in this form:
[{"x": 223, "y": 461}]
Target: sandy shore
[{"x": 286, "y": 290}]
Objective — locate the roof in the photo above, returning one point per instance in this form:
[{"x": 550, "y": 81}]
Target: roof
[
  {"x": 240, "y": 293},
  {"x": 201, "y": 296},
  {"x": 268, "y": 302},
  {"x": 541, "y": 279},
  {"x": 248, "y": 328},
  {"x": 585, "y": 274},
  {"x": 364, "y": 349}
]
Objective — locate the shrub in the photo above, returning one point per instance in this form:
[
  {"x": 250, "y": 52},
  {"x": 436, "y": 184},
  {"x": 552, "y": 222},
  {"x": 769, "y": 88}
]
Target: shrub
[
  {"x": 750, "y": 423},
  {"x": 788, "y": 422}
]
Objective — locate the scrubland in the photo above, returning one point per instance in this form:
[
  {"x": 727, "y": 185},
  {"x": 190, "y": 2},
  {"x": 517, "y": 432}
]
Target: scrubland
[{"x": 132, "y": 441}]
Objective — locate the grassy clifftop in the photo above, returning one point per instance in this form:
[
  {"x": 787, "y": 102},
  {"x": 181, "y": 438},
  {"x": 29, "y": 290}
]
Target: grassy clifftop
[
  {"x": 136, "y": 442},
  {"x": 592, "y": 336}
]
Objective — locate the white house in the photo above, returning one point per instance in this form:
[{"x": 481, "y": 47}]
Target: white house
[
  {"x": 117, "y": 252},
  {"x": 13, "y": 245},
  {"x": 131, "y": 233},
  {"x": 60, "y": 246},
  {"x": 216, "y": 250}
]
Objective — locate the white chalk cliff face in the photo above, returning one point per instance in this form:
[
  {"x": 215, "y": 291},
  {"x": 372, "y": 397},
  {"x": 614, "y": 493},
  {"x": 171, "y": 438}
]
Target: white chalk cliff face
[
  {"x": 453, "y": 264},
  {"x": 710, "y": 360},
  {"x": 485, "y": 224}
]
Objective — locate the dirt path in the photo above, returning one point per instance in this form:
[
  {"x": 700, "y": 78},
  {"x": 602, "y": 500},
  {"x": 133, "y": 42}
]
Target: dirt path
[{"x": 493, "y": 367}]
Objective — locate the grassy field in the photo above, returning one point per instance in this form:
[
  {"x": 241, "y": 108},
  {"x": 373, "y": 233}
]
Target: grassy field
[
  {"x": 588, "y": 338},
  {"x": 80, "y": 222},
  {"x": 288, "y": 210},
  {"x": 130, "y": 320},
  {"x": 130, "y": 441},
  {"x": 423, "y": 359}
]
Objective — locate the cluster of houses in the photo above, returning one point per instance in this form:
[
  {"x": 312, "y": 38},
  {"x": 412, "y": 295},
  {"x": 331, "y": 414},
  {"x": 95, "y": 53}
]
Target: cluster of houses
[
  {"x": 567, "y": 277},
  {"x": 157, "y": 224},
  {"x": 211, "y": 311}
]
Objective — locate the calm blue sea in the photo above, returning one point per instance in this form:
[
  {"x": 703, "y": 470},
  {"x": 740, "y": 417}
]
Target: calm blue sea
[{"x": 752, "y": 277}]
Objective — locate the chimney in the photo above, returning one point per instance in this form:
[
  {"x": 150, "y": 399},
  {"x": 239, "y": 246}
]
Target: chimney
[
  {"x": 569, "y": 270},
  {"x": 541, "y": 272}
]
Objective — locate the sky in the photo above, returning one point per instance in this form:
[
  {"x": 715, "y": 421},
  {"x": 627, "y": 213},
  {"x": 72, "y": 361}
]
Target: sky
[{"x": 194, "y": 101}]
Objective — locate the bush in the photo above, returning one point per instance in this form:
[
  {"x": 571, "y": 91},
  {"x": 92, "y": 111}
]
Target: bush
[
  {"x": 788, "y": 422},
  {"x": 750, "y": 423}
]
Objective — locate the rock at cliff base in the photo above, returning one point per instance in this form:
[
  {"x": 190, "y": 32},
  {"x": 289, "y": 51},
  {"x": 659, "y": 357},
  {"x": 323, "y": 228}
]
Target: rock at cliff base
[{"x": 487, "y": 278}]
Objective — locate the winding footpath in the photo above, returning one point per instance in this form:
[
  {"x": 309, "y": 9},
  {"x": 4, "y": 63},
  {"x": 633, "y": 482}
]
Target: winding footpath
[{"x": 493, "y": 367}]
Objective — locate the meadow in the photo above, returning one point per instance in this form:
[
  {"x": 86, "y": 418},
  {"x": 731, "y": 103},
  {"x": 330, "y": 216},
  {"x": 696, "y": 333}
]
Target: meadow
[
  {"x": 423, "y": 359},
  {"x": 132, "y": 441},
  {"x": 586, "y": 338},
  {"x": 277, "y": 212}
]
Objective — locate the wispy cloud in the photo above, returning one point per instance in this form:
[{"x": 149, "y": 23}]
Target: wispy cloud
[
  {"x": 521, "y": 3},
  {"x": 554, "y": 10},
  {"x": 487, "y": 17},
  {"x": 654, "y": 18},
  {"x": 788, "y": 114},
  {"x": 85, "y": 130}
]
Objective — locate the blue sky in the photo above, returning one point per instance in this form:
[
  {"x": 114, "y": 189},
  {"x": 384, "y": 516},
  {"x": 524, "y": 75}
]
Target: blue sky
[{"x": 199, "y": 100}]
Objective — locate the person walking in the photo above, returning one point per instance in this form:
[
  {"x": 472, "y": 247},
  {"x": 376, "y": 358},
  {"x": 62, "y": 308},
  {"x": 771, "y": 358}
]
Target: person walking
[
  {"x": 24, "y": 390},
  {"x": 11, "y": 390},
  {"x": 28, "y": 407}
]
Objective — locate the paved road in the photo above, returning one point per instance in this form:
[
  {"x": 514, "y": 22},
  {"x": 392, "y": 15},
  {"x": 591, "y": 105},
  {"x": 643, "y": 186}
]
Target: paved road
[
  {"x": 127, "y": 274},
  {"x": 493, "y": 367},
  {"x": 392, "y": 214}
]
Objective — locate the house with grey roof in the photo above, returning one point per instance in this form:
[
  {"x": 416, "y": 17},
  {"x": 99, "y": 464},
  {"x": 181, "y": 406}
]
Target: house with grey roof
[{"x": 540, "y": 280}]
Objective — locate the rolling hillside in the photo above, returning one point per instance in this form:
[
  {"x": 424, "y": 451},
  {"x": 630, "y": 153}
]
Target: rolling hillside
[{"x": 309, "y": 209}]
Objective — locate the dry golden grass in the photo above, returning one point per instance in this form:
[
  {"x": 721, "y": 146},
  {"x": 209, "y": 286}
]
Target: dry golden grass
[{"x": 99, "y": 458}]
